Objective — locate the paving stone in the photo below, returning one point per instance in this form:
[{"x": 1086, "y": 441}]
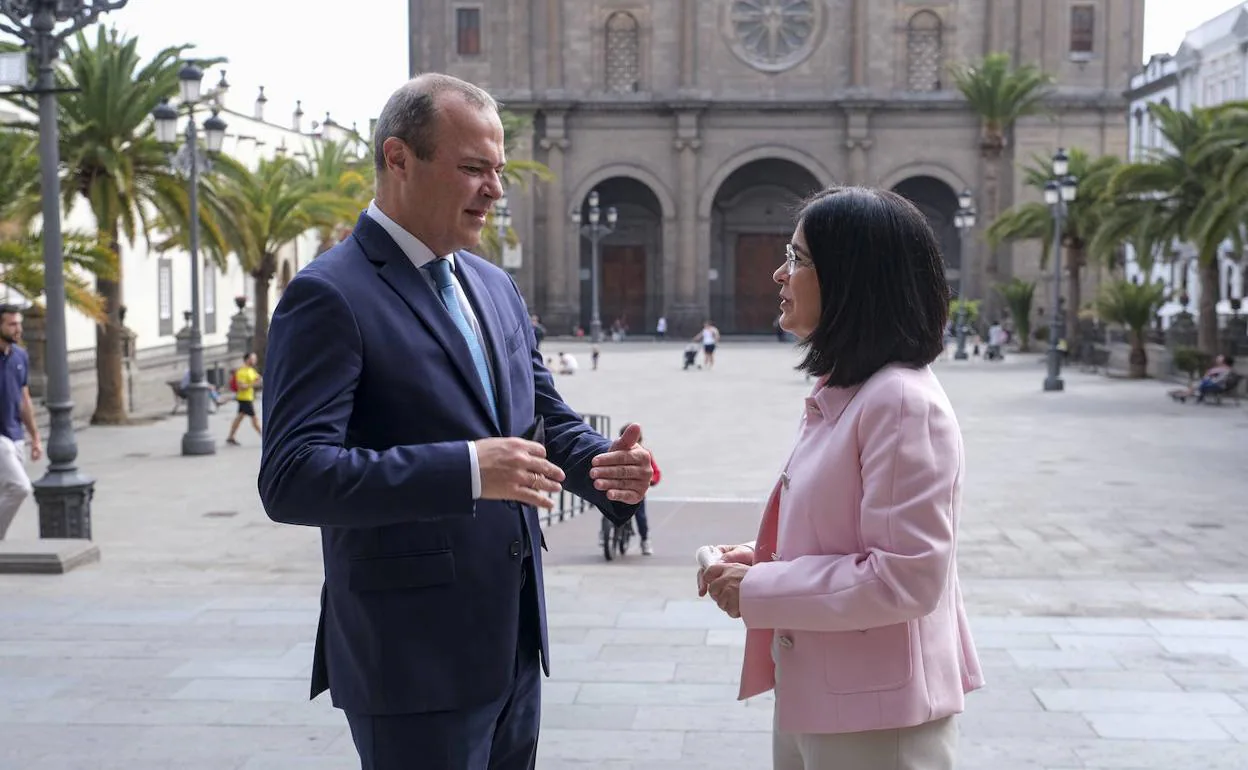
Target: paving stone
[
  {"x": 1138, "y": 702},
  {"x": 194, "y": 634},
  {"x": 1156, "y": 727}
]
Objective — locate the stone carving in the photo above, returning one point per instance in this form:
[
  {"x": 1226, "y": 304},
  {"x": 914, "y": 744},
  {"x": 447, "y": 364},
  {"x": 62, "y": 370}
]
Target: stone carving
[{"x": 772, "y": 35}]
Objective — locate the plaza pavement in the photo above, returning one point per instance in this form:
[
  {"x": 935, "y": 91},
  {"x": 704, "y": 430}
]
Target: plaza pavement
[{"x": 1103, "y": 555}]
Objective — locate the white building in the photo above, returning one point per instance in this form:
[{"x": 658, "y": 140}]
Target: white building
[
  {"x": 156, "y": 287},
  {"x": 1210, "y": 68}
]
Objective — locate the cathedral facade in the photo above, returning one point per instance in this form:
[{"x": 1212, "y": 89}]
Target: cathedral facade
[{"x": 704, "y": 123}]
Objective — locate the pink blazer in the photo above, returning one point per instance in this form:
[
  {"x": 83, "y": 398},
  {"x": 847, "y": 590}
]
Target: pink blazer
[{"x": 854, "y": 577}]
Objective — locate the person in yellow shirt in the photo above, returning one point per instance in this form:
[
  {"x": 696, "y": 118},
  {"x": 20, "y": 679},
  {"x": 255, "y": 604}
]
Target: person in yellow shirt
[{"x": 246, "y": 381}]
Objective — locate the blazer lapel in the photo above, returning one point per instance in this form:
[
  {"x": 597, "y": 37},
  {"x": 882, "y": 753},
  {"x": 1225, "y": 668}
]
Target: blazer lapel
[
  {"x": 405, "y": 279},
  {"x": 492, "y": 329}
]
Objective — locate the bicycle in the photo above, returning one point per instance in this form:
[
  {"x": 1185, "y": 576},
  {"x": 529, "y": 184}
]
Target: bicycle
[{"x": 614, "y": 537}]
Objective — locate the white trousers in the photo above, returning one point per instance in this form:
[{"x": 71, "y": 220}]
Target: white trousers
[
  {"x": 14, "y": 483},
  {"x": 929, "y": 746}
]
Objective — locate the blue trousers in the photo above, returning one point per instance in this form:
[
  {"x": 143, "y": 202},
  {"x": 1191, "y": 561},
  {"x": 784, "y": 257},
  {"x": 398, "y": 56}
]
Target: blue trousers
[{"x": 501, "y": 735}]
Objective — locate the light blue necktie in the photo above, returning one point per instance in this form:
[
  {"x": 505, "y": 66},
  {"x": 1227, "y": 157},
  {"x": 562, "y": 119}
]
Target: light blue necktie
[{"x": 441, "y": 269}]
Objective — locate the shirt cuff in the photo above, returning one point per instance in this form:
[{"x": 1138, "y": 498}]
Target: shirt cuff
[{"x": 475, "y": 470}]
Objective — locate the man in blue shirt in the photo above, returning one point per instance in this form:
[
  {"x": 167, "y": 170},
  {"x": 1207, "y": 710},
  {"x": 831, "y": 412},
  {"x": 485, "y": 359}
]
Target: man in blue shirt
[{"x": 16, "y": 411}]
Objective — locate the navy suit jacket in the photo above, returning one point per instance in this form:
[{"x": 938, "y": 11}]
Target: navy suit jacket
[{"x": 370, "y": 396}]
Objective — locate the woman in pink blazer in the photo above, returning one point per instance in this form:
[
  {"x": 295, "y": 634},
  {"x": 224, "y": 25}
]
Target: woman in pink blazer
[{"x": 850, "y": 593}]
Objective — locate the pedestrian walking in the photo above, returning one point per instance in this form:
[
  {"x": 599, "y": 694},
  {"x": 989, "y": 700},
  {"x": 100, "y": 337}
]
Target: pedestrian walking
[{"x": 16, "y": 412}]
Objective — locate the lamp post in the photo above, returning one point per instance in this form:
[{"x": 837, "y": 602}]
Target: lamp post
[
  {"x": 1058, "y": 193},
  {"x": 197, "y": 440},
  {"x": 964, "y": 220},
  {"x": 502, "y": 224},
  {"x": 595, "y": 230},
  {"x": 63, "y": 494}
]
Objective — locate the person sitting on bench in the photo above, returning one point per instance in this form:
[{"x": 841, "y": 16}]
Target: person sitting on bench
[
  {"x": 186, "y": 386},
  {"x": 1213, "y": 381}
]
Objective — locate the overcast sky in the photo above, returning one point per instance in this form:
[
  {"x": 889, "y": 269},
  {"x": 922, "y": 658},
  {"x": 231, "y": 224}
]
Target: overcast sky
[{"x": 350, "y": 61}]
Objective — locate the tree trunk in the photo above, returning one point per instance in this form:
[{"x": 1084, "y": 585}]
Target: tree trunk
[
  {"x": 110, "y": 393},
  {"x": 992, "y": 149},
  {"x": 1075, "y": 259},
  {"x": 1137, "y": 363},
  {"x": 1210, "y": 292},
  {"x": 260, "y": 336}
]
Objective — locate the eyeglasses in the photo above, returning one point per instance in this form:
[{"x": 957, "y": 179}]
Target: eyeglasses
[{"x": 792, "y": 260}]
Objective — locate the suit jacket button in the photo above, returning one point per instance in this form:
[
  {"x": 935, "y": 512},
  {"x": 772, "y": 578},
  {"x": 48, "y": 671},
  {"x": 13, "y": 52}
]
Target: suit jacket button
[
  {"x": 784, "y": 479},
  {"x": 786, "y": 642},
  {"x": 515, "y": 549}
]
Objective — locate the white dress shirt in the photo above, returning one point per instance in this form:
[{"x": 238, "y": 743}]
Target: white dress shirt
[{"x": 420, "y": 256}]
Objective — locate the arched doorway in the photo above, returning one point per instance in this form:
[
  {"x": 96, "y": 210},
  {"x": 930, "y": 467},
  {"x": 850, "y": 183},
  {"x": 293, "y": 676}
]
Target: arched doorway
[
  {"x": 630, "y": 260},
  {"x": 938, "y": 202},
  {"x": 752, "y": 218}
]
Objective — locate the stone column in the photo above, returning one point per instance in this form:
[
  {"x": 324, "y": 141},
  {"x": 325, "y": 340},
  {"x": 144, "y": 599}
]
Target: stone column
[
  {"x": 558, "y": 303},
  {"x": 686, "y": 315},
  {"x": 688, "y": 46},
  {"x": 858, "y": 45},
  {"x": 858, "y": 143}
]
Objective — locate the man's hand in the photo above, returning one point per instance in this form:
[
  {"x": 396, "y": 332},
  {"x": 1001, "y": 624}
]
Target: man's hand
[
  {"x": 36, "y": 448},
  {"x": 624, "y": 470},
  {"x": 515, "y": 469},
  {"x": 723, "y": 582}
]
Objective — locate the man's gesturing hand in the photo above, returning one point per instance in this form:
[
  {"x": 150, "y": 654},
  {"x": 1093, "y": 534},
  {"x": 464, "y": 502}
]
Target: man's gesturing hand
[
  {"x": 515, "y": 469},
  {"x": 624, "y": 470}
]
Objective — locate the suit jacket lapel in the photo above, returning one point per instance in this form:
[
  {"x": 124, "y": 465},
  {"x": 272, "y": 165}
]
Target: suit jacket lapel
[
  {"x": 492, "y": 329},
  {"x": 405, "y": 279}
]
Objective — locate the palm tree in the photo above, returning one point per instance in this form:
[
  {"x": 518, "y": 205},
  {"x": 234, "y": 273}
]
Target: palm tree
[
  {"x": 1000, "y": 94},
  {"x": 21, "y": 252},
  {"x": 1173, "y": 197},
  {"x": 111, "y": 159},
  {"x": 256, "y": 213},
  {"x": 1018, "y": 295},
  {"x": 1133, "y": 305},
  {"x": 1083, "y": 220},
  {"x": 335, "y": 167},
  {"x": 517, "y": 174}
]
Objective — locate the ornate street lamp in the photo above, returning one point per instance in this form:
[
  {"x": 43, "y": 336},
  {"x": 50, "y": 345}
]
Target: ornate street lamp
[
  {"x": 964, "y": 220},
  {"x": 63, "y": 494},
  {"x": 595, "y": 230},
  {"x": 197, "y": 440},
  {"x": 502, "y": 225},
  {"x": 1059, "y": 192}
]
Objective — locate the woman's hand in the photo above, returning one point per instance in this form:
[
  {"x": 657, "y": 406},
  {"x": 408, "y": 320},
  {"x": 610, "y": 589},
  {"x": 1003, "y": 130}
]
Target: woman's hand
[
  {"x": 736, "y": 554},
  {"x": 728, "y": 554},
  {"x": 723, "y": 583}
]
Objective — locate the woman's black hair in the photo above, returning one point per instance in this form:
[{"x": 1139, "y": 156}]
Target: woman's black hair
[{"x": 881, "y": 282}]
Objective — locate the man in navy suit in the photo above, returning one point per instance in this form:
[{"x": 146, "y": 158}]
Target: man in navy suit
[{"x": 409, "y": 415}]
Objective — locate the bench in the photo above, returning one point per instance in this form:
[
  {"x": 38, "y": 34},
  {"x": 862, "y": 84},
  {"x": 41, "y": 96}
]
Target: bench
[
  {"x": 1094, "y": 357},
  {"x": 1228, "y": 389},
  {"x": 179, "y": 394}
]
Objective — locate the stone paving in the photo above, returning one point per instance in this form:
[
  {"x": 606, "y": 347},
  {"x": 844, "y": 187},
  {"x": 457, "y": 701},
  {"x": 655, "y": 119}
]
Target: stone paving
[{"x": 1103, "y": 554}]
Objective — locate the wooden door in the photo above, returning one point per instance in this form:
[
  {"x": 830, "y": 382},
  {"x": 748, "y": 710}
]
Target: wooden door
[
  {"x": 757, "y": 297},
  {"x": 623, "y": 288}
]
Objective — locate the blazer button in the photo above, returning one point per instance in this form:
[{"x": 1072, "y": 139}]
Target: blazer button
[
  {"x": 784, "y": 479},
  {"x": 786, "y": 642},
  {"x": 515, "y": 549}
]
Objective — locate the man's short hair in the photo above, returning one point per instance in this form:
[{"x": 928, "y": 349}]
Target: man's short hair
[
  {"x": 881, "y": 283},
  {"x": 411, "y": 113},
  {"x": 9, "y": 309}
]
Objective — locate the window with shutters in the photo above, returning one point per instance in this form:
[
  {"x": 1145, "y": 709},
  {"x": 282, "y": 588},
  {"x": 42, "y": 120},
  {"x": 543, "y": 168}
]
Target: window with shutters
[
  {"x": 623, "y": 49},
  {"x": 923, "y": 52},
  {"x": 468, "y": 31},
  {"x": 1082, "y": 30}
]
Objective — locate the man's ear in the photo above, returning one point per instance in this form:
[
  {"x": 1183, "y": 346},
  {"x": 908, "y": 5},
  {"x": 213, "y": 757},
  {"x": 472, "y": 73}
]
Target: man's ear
[{"x": 396, "y": 154}]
